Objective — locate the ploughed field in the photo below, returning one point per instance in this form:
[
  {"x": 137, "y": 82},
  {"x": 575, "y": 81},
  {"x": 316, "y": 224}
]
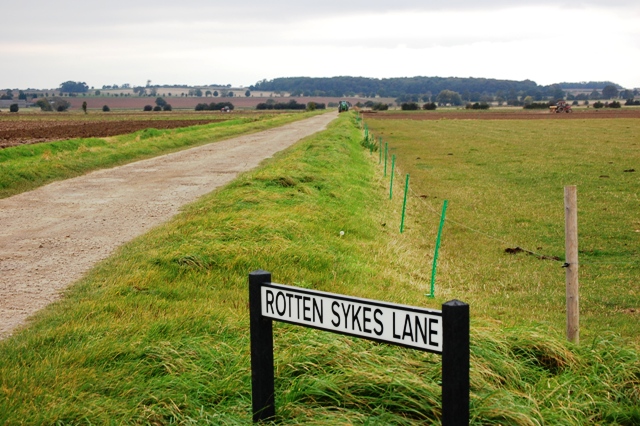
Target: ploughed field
[{"x": 20, "y": 132}]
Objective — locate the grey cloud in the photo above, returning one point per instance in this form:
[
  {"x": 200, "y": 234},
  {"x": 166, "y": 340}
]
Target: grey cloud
[{"x": 275, "y": 11}]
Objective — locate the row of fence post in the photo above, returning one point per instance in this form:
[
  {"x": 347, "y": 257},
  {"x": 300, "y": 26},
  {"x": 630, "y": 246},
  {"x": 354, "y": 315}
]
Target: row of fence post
[{"x": 571, "y": 240}]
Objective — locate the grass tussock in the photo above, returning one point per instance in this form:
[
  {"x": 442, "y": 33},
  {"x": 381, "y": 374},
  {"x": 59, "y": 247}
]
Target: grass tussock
[{"x": 159, "y": 333}]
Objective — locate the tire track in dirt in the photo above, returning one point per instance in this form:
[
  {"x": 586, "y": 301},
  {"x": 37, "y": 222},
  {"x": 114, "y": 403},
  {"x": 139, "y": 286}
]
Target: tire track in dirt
[{"x": 50, "y": 237}]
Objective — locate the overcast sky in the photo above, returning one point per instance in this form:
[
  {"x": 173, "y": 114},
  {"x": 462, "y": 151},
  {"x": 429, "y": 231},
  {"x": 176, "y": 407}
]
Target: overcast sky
[{"x": 44, "y": 43}]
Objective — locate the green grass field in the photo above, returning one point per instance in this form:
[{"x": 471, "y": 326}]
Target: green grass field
[
  {"x": 504, "y": 180},
  {"x": 159, "y": 333}
]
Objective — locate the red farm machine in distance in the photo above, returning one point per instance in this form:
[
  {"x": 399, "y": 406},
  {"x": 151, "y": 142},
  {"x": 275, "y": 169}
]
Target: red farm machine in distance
[{"x": 560, "y": 106}]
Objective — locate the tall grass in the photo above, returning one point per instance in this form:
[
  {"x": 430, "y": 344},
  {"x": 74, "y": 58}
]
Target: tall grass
[{"x": 158, "y": 334}]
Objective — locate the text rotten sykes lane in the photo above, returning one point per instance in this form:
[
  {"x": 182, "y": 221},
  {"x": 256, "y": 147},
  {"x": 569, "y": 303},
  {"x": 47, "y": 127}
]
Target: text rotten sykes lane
[{"x": 376, "y": 321}]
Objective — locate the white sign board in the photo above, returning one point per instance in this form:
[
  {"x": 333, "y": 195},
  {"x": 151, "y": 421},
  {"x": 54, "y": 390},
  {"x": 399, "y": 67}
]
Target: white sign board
[{"x": 403, "y": 325}]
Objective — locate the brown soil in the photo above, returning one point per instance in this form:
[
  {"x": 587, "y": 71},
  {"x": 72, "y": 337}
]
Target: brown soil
[
  {"x": 14, "y": 133},
  {"x": 53, "y": 235}
]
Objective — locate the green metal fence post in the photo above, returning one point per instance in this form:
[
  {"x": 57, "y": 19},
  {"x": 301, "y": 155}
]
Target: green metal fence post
[
  {"x": 404, "y": 204},
  {"x": 432, "y": 292},
  {"x": 393, "y": 168},
  {"x": 386, "y": 154}
]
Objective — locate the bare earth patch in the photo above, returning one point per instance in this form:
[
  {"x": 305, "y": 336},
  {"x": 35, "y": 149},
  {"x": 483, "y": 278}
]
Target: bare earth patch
[
  {"x": 13, "y": 133},
  {"x": 52, "y": 236}
]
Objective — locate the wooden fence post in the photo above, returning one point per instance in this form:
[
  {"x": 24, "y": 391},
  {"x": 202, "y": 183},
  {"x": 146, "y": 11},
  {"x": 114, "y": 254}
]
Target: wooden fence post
[{"x": 571, "y": 263}]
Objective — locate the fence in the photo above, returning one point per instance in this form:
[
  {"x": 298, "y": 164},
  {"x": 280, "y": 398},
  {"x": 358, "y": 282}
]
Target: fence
[{"x": 570, "y": 262}]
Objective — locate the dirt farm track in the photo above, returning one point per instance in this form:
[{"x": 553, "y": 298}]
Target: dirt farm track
[{"x": 52, "y": 235}]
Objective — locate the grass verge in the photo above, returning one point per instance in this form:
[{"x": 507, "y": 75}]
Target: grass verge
[{"x": 158, "y": 333}]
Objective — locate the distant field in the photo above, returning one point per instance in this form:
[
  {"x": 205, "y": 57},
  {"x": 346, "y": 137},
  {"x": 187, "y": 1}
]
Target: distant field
[
  {"x": 505, "y": 113},
  {"x": 191, "y": 102}
]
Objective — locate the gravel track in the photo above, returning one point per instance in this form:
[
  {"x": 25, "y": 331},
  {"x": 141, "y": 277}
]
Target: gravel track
[{"x": 50, "y": 237}]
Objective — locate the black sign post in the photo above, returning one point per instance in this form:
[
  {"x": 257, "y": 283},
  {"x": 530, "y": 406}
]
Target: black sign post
[
  {"x": 443, "y": 332},
  {"x": 455, "y": 363},
  {"x": 262, "y": 386}
]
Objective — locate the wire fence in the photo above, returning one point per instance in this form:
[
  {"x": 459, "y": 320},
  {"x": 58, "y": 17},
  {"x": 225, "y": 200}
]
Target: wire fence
[{"x": 372, "y": 145}]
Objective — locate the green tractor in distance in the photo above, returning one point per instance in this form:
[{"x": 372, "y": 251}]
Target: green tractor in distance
[{"x": 343, "y": 106}]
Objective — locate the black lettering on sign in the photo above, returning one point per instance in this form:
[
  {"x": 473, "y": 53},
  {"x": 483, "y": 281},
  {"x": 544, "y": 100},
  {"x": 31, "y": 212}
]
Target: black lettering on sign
[
  {"x": 355, "y": 317},
  {"x": 269, "y": 301},
  {"x": 432, "y": 321},
  {"x": 376, "y": 318},
  {"x": 409, "y": 326},
  {"x": 393, "y": 327},
  {"x": 281, "y": 302},
  {"x": 365, "y": 319},
  {"x": 298, "y": 297},
  {"x": 289, "y": 296},
  {"x": 346, "y": 314},
  {"x": 416, "y": 329},
  {"x": 295, "y": 307},
  {"x": 407, "y": 331},
  {"x": 336, "y": 314},
  {"x": 421, "y": 332},
  {"x": 318, "y": 308},
  {"x": 306, "y": 308}
]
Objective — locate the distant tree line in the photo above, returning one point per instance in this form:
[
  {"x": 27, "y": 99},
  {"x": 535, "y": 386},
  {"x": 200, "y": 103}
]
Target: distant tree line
[
  {"x": 8, "y": 95},
  {"x": 443, "y": 91},
  {"x": 599, "y": 85},
  {"x": 397, "y": 87}
]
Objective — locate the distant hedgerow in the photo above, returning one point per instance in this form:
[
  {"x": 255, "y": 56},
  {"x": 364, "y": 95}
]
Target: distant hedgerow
[
  {"x": 477, "y": 105},
  {"x": 538, "y": 105},
  {"x": 292, "y": 104},
  {"x": 214, "y": 106},
  {"x": 409, "y": 106}
]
